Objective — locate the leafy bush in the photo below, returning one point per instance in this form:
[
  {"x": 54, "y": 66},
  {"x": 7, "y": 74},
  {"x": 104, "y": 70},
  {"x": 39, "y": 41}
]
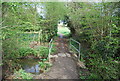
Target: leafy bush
[
  {"x": 43, "y": 51},
  {"x": 44, "y": 66},
  {"x": 24, "y": 51},
  {"x": 53, "y": 50},
  {"x": 21, "y": 74},
  {"x": 10, "y": 48},
  {"x": 102, "y": 69},
  {"x": 93, "y": 76},
  {"x": 106, "y": 48}
]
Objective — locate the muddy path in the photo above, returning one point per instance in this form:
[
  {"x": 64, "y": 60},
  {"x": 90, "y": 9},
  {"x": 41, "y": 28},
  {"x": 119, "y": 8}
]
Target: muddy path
[
  {"x": 64, "y": 67},
  {"x": 62, "y": 45}
]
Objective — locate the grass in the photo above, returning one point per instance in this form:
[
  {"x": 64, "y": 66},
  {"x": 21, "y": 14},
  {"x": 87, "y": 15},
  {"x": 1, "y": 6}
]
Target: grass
[{"x": 63, "y": 30}]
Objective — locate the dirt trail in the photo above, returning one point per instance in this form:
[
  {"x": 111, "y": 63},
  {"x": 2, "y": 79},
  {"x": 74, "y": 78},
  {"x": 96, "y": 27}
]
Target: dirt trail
[
  {"x": 62, "y": 46},
  {"x": 64, "y": 67}
]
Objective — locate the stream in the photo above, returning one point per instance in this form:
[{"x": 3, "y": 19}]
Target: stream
[{"x": 30, "y": 65}]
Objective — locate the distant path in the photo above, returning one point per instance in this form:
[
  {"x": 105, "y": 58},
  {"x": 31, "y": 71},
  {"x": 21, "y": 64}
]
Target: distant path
[{"x": 64, "y": 67}]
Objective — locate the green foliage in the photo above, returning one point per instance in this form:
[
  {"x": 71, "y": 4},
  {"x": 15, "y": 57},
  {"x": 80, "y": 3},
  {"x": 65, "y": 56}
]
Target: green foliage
[
  {"x": 93, "y": 76},
  {"x": 10, "y": 47},
  {"x": 102, "y": 69},
  {"x": 97, "y": 25},
  {"x": 21, "y": 74},
  {"x": 25, "y": 26},
  {"x": 82, "y": 77},
  {"x": 106, "y": 48},
  {"x": 44, "y": 66},
  {"x": 1, "y": 64},
  {"x": 53, "y": 50},
  {"x": 43, "y": 51},
  {"x": 43, "y": 60},
  {"x": 84, "y": 74},
  {"x": 25, "y": 51}
]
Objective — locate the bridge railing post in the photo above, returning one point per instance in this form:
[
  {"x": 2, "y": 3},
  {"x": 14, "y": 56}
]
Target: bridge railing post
[
  {"x": 50, "y": 48},
  {"x": 70, "y": 43},
  {"x": 77, "y": 49}
]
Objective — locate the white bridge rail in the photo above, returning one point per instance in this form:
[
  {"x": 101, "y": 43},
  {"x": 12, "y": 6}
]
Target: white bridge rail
[
  {"x": 50, "y": 48},
  {"x": 77, "y": 49},
  {"x": 71, "y": 47}
]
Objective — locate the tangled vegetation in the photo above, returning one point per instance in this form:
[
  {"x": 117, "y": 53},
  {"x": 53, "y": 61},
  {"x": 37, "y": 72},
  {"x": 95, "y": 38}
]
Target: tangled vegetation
[
  {"x": 97, "y": 25},
  {"x": 26, "y": 27},
  {"x": 25, "y": 32},
  {"x": 21, "y": 74}
]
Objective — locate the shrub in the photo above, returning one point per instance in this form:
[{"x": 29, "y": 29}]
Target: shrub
[
  {"x": 43, "y": 51},
  {"x": 44, "y": 66},
  {"x": 24, "y": 51},
  {"x": 53, "y": 50},
  {"x": 102, "y": 69},
  {"x": 21, "y": 74},
  {"x": 105, "y": 48},
  {"x": 10, "y": 48}
]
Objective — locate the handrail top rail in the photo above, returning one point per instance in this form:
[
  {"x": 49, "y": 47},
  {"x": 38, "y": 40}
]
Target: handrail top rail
[
  {"x": 51, "y": 40},
  {"x": 71, "y": 45},
  {"x": 75, "y": 48},
  {"x": 74, "y": 40},
  {"x": 50, "y": 47}
]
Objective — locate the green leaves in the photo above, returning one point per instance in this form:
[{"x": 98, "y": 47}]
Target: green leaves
[
  {"x": 44, "y": 66},
  {"x": 97, "y": 25},
  {"x": 43, "y": 51},
  {"x": 25, "y": 51},
  {"x": 101, "y": 69},
  {"x": 21, "y": 74}
]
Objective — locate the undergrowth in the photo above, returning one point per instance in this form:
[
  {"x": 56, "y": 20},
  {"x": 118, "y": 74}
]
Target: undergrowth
[{"x": 21, "y": 74}]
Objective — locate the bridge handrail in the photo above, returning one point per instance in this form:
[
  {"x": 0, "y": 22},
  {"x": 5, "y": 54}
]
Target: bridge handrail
[
  {"x": 50, "y": 48},
  {"x": 78, "y": 50}
]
